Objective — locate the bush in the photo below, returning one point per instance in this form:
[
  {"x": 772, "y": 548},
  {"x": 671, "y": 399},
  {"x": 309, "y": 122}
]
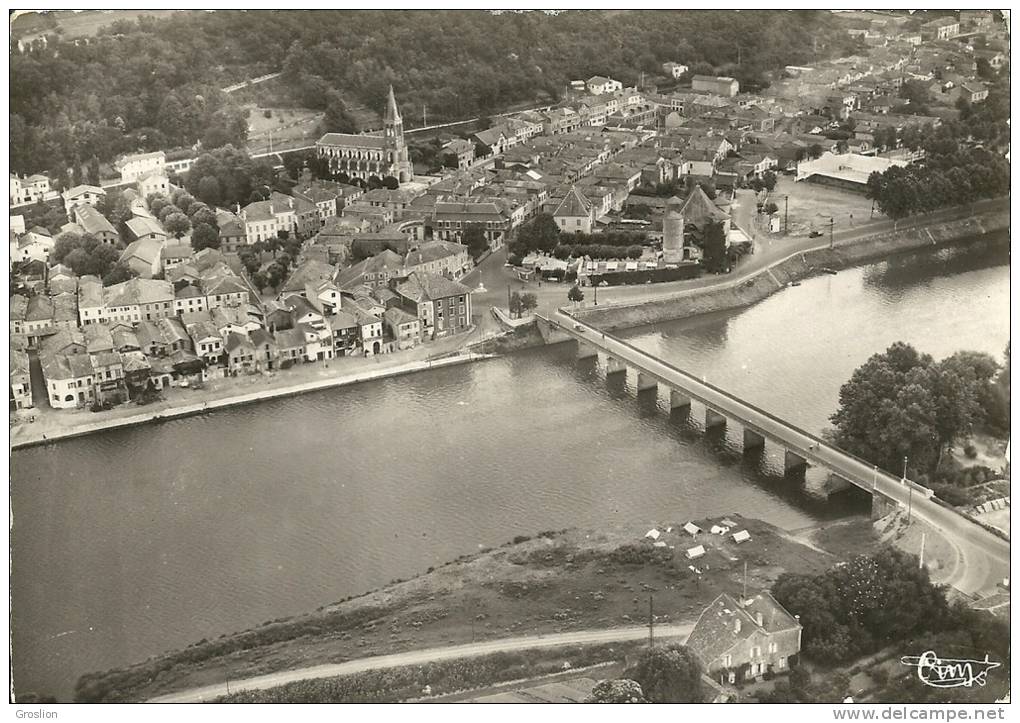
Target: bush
[
  {"x": 952, "y": 495},
  {"x": 970, "y": 451},
  {"x": 268, "y": 114}
]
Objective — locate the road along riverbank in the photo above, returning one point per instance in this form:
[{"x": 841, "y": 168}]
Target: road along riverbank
[
  {"x": 556, "y": 588},
  {"x": 746, "y": 290},
  {"x": 29, "y": 435}
]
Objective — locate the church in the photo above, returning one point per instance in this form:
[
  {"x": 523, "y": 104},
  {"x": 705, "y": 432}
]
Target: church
[{"x": 370, "y": 154}]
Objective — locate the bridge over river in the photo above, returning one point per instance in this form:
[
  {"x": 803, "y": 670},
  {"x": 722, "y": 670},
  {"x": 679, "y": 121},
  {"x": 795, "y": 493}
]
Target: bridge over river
[{"x": 985, "y": 556}]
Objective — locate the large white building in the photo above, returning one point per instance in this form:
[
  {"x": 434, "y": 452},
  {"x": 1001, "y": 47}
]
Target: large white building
[{"x": 137, "y": 165}]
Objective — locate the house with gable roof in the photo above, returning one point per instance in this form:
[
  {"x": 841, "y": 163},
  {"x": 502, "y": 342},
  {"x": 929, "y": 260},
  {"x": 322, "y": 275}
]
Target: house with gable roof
[
  {"x": 742, "y": 640},
  {"x": 575, "y": 213},
  {"x": 442, "y": 305}
]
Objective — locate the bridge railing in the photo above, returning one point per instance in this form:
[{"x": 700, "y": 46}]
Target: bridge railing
[{"x": 768, "y": 415}]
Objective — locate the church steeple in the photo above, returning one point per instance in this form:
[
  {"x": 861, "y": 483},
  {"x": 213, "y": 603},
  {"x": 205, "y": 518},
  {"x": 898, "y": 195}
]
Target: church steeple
[{"x": 392, "y": 112}]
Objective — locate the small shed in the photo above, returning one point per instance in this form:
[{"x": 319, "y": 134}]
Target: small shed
[
  {"x": 653, "y": 534},
  {"x": 741, "y": 536},
  {"x": 660, "y": 543},
  {"x": 695, "y": 552},
  {"x": 691, "y": 529},
  {"x": 728, "y": 523},
  {"x": 719, "y": 530}
]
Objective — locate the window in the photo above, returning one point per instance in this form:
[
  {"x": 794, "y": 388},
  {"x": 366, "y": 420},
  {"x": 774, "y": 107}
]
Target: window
[
  {"x": 782, "y": 663},
  {"x": 727, "y": 660},
  {"x": 756, "y": 652}
]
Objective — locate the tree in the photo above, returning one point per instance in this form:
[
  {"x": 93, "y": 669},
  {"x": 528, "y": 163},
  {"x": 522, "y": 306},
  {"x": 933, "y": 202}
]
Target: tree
[
  {"x": 714, "y": 251},
  {"x": 93, "y": 174},
  {"x": 539, "y": 234},
  {"x": 157, "y": 202},
  {"x": 176, "y": 224},
  {"x": 205, "y": 236},
  {"x": 575, "y": 294},
  {"x": 669, "y": 674},
  {"x": 621, "y": 690},
  {"x": 118, "y": 272},
  {"x": 337, "y": 119},
  {"x": 168, "y": 210},
  {"x": 208, "y": 190},
  {"x": 516, "y": 304},
  {"x": 391, "y": 183},
  {"x": 860, "y": 606},
  {"x": 474, "y": 238},
  {"x": 769, "y": 180},
  {"x": 903, "y": 404},
  {"x": 183, "y": 200},
  {"x": 529, "y": 302},
  {"x": 258, "y": 280}
]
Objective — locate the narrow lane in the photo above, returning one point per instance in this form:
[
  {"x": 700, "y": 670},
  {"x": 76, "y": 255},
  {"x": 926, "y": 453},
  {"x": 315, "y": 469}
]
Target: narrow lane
[{"x": 419, "y": 657}]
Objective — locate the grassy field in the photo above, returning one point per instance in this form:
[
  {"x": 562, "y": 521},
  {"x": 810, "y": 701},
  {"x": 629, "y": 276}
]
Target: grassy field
[
  {"x": 554, "y": 582},
  {"x": 77, "y": 24}
]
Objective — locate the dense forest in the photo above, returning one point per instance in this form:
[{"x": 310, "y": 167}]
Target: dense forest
[{"x": 148, "y": 84}]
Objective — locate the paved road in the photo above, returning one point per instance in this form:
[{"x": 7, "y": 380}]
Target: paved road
[
  {"x": 985, "y": 556},
  {"x": 418, "y": 657},
  {"x": 769, "y": 251}
]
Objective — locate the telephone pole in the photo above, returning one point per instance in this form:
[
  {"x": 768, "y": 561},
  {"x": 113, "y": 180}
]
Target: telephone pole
[
  {"x": 651, "y": 623},
  {"x": 832, "y": 225},
  {"x": 786, "y": 220}
]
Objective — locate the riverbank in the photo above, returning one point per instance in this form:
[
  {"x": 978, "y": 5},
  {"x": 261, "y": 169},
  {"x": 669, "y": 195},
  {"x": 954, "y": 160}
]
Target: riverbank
[
  {"x": 57, "y": 425},
  {"x": 556, "y": 583},
  {"x": 746, "y": 290}
]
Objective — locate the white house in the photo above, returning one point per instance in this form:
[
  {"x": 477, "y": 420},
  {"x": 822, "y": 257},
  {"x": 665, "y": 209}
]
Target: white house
[
  {"x": 29, "y": 189},
  {"x": 137, "y": 165},
  {"x": 675, "y": 70},
  {"x": 598, "y": 84}
]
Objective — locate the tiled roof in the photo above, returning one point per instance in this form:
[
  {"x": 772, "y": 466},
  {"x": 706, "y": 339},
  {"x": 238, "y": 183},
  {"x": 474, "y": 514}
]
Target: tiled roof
[
  {"x": 92, "y": 221},
  {"x": 139, "y": 291},
  {"x": 716, "y": 629},
  {"x": 421, "y": 286},
  {"x": 352, "y": 140},
  {"x": 290, "y": 338},
  {"x": 433, "y": 251},
  {"x": 573, "y": 204}
]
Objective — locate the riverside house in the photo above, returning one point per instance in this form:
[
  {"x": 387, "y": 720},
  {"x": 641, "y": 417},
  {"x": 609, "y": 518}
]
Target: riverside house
[{"x": 742, "y": 640}]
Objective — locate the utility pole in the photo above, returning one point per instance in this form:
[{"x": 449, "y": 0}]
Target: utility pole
[
  {"x": 424, "y": 116},
  {"x": 595, "y": 286},
  {"x": 651, "y": 623},
  {"x": 786, "y": 220},
  {"x": 920, "y": 561},
  {"x": 743, "y": 599},
  {"x": 832, "y": 225}
]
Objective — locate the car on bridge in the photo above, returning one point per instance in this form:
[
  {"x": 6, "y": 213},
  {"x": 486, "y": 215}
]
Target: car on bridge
[{"x": 578, "y": 327}]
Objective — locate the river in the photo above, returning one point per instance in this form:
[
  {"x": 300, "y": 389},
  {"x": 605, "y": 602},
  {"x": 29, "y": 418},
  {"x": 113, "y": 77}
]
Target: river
[{"x": 132, "y": 542}]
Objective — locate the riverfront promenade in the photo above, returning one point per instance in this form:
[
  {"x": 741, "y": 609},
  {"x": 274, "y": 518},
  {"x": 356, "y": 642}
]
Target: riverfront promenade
[
  {"x": 57, "y": 425},
  {"x": 985, "y": 556}
]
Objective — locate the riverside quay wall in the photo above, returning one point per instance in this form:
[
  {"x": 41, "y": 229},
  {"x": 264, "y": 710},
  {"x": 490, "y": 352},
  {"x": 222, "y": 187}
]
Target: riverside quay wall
[{"x": 744, "y": 291}]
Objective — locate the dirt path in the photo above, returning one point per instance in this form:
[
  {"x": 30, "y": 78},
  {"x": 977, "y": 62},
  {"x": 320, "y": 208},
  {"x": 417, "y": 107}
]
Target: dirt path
[{"x": 419, "y": 657}]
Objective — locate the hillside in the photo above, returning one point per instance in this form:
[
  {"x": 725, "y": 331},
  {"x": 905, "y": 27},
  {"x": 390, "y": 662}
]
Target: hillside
[{"x": 153, "y": 83}]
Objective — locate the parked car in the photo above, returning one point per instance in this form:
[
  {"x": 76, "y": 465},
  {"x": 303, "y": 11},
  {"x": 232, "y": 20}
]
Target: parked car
[{"x": 815, "y": 234}]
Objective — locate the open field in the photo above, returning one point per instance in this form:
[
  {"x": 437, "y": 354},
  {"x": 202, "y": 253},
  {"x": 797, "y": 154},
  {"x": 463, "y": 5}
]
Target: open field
[
  {"x": 556, "y": 582},
  {"x": 77, "y": 24},
  {"x": 285, "y": 127},
  {"x": 812, "y": 205}
]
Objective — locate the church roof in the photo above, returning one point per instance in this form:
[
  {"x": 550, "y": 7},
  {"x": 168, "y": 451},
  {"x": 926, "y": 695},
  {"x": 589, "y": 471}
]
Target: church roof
[{"x": 352, "y": 140}]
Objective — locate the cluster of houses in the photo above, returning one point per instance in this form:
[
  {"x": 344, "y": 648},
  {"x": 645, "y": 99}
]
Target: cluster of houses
[{"x": 106, "y": 345}]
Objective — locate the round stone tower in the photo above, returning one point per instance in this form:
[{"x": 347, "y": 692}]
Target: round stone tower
[{"x": 673, "y": 231}]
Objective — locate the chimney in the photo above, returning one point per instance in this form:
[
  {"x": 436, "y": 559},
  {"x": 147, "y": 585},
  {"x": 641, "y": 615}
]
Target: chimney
[
  {"x": 758, "y": 619},
  {"x": 736, "y": 626}
]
